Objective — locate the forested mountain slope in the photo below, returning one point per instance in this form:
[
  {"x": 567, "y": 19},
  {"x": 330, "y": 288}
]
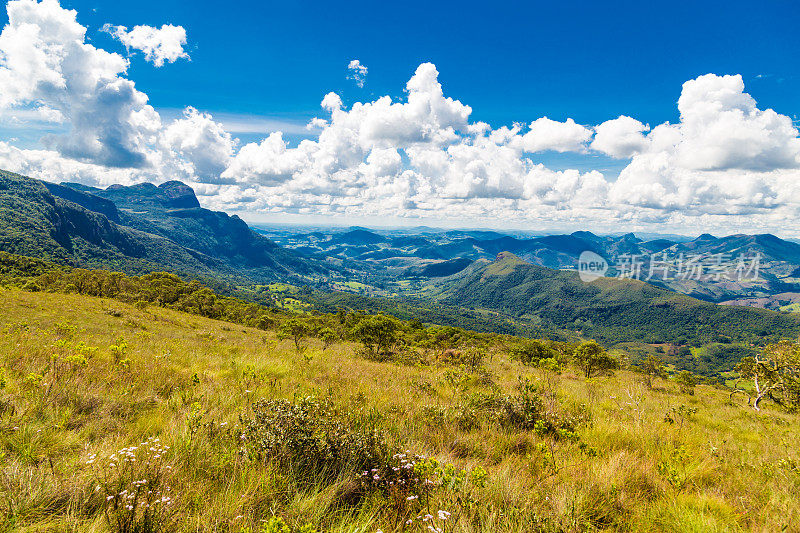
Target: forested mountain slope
[
  {"x": 138, "y": 229},
  {"x": 615, "y": 310}
]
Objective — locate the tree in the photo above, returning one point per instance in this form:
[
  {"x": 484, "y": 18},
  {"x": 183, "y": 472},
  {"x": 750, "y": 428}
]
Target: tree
[
  {"x": 296, "y": 329},
  {"x": 775, "y": 373},
  {"x": 652, "y": 367},
  {"x": 687, "y": 381},
  {"x": 328, "y": 337},
  {"x": 378, "y": 333},
  {"x": 532, "y": 351},
  {"x": 593, "y": 359},
  {"x": 264, "y": 321}
]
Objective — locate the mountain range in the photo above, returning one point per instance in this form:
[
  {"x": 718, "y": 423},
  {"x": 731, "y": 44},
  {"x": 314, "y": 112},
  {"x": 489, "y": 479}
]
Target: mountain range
[{"x": 715, "y": 269}]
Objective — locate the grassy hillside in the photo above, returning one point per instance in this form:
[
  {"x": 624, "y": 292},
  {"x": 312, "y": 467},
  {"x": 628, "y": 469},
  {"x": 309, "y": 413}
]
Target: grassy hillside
[
  {"x": 88, "y": 383},
  {"x": 715, "y": 359},
  {"x": 608, "y": 309}
]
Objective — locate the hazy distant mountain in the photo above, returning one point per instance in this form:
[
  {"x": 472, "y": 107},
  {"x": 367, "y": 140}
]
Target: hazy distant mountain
[
  {"x": 769, "y": 246},
  {"x": 406, "y": 241},
  {"x": 483, "y": 235},
  {"x": 357, "y": 237},
  {"x": 654, "y": 246}
]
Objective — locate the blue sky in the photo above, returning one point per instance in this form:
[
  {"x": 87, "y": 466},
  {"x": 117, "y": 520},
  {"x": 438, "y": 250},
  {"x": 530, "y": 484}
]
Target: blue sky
[
  {"x": 659, "y": 115},
  {"x": 510, "y": 61}
]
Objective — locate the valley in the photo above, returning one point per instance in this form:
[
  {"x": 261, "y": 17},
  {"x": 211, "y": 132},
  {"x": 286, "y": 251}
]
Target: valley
[
  {"x": 487, "y": 281},
  {"x": 735, "y": 268}
]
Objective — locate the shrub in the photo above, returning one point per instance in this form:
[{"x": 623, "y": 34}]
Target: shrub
[
  {"x": 672, "y": 467},
  {"x": 119, "y": 350},
  {"x": 532, "y": 351},
  {"x": 378, "y": 334},
  {"x": 652, "y": 367},
  {"x": 310, "y": 438},
  {"x": 296, "y": 329},
  {"x": 679, "y": 414},
  {"x": 424, "y": 386},
  {"x": 264, "y": 322},
  {"x": 31, "y": 286},
  {"x": 527, "y": 409},
  {"x": 275, "y": 525},
  {"x": 409, "y": 481},
  {"x": 687, "y": 381},
  {"x": 775, "y": 373},
  {"x": 328, "y": 337},
  {"x": 530, "y": 408}
]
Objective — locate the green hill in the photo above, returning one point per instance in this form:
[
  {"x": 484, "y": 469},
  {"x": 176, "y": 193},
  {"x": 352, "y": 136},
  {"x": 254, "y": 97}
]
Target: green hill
[{"x": 608, "y": 309}]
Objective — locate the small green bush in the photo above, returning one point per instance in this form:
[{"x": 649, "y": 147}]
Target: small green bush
[
  {"x": 593, "y": 360},
  {"x": 309, "y": 438},
  {"x": 531, "y": 352},
  {"x": 687, "y": 382},
  {"x": 530, "y": 408},
  {"x": 31, "y": 286}
]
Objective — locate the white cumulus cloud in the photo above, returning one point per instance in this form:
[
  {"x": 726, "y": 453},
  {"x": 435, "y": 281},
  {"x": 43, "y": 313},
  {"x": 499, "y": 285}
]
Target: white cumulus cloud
[
  {"x": 724, "y": 155},
  {"x": 545, "y": 134},
  {"x": 48, "y": 71},
  {"x": 200, "y": 144},
  {"x": 725, "y": 162},
  {"x": 621, "y": 137},
  {"x": 46, "y": 64},
  {"x": 358, "y": 72},
  {"x": 159, "y": 45}
]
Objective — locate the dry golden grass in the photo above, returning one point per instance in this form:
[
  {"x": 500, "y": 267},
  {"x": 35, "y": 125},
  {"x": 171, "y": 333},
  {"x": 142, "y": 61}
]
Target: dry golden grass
[{"x": 725, "y": 468}]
